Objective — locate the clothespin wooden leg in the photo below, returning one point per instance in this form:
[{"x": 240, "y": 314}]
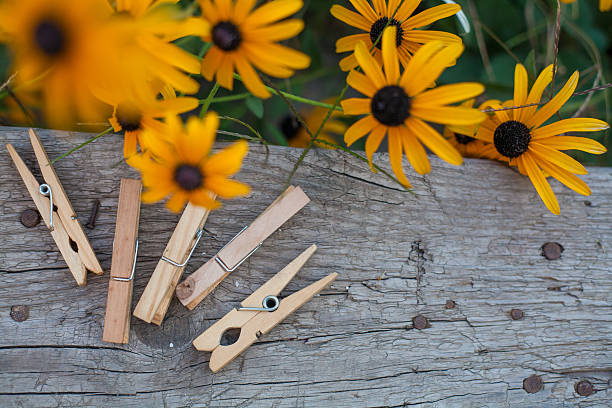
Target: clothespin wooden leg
[
  {"x": 155, "y": 299},
  {"x": 125, "y": 249}
]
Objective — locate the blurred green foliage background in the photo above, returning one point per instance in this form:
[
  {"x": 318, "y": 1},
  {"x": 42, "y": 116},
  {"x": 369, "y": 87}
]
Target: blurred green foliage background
[{"x": 503, "y": 32}]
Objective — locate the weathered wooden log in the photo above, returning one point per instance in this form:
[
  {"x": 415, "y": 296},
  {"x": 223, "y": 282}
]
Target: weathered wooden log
[{"x": 422, "y": 312}]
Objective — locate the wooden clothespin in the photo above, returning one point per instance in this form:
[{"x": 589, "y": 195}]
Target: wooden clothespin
[
  {"x": 200, "y": 283},
  {"x": 155, "y": 299},
  {"x": 125, "y": 251},
  {"x": 259, "y": 313},
  {"x": 55, "y": 209}
]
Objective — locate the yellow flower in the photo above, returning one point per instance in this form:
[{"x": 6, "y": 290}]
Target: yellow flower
[
  {"x": 604, "y": 5},
  {"x": 133, "y": 113},
  {"x": 146, "y": 53},
  {"x": 400, "y": 104},
  {"x": 297, "y": 136},
  {"x": 373, "y": 21},
  {"x": 179, "y": 163},
  {"x": 60, "y": 48},
  {"x": 243, "y": 38},
  {"x": 518, "y": 135},
  {"x": 462, "y": 138}
]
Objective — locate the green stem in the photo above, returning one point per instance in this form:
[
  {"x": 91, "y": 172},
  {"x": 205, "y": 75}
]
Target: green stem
[
  {"x": 93, "y": 139},
  {"x": 208, "y": 100},
  {"x": 249, "y": 127},
  {"x": 230, "y": 98},
  {"x": 297, "y": 98}
]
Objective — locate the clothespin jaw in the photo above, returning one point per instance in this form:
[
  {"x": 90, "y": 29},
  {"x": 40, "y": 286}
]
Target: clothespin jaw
[
  {"x": 125, "y": 251},
  {"x": 155, "y": 299},
  {"x": 203, "y": 281},
  {"x": 255, "y": 323},
  {"x": 57, "y": 213}
]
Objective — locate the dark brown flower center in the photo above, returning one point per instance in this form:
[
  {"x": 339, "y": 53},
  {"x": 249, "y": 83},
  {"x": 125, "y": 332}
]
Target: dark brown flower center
[
  {"x": 290, "y": 127},
  {"x": 512, "y": 139},
  {"x": 377, "y": 29},
  {"x": 129, "y": 118},
  {"x": 226, "y": 36},
  {"x": 463, "y": 139},
  {"x": 391, "y": 105},
  {"x": 50, "y": 37},
  {"x": 188, "y": 177}
]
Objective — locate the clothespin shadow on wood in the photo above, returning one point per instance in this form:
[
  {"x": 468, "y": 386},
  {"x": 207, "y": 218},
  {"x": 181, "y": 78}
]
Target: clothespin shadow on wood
[
  {"x": 155, "y": 299},
  {"x": 259, "y": 313},
  {"x": 123, "y": 266},
  {"x": 200, "y": 283},
  {"x": 56, "y": 211}
]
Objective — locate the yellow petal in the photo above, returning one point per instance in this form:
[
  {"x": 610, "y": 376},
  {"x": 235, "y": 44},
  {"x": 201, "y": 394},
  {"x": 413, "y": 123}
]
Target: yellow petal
[
  {"x": 569, "y": 125},
  {"x": 350, "y": 17},
  {"x": 521, "y": 83},
  {"x": 395, "y": 155},
  {"x": 361, "y": 83},
  {"x": 566, "y": 178},
  {"x": 250, "y": 78},
  {"x": 556, "y": 157},
  {"x": 448, "y": 115},
  {"x": 416, "y": 153},
  {"x": 359, "y": 129},
  {"x": 574, "y": 143},
  {"x": 389, "y": 54},
  {"x": 356, "y": 106},
  {"x": 555, "y": 104},
  {"x": 226, "y": 188},
  {"x": 446, "y": 94},
  {"x": 373, "y": 142},
  {"x": 536, "y": 92},
  {"x": 540, "y": 183},
  {"x": 434, "y": 141},
  {"x": 273, "y": 11},
  {"x": 228, "y": 161},
  {"x": 177, "y": 201},
  {"x": 369, "y": 65},
  {"x": 365, "y": 10},
  {"x": 349, "y": 42},
  {"x": 431, "y": 15}
]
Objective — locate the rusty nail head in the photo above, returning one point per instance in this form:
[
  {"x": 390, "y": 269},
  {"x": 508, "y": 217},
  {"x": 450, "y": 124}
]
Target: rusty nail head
[
  {"x": 532, "y": 384},
  {"x": 20, "y": 313},
  {"x": 420, "y": 322},
  {"x": 30, "y": 218},
  {"x": 91, "y": 224},
  {"x": 552, "y": 250},
  {"x": 584, "y": 388},
  {"x": 450, "y": 304},
  {"x": 516, "y": 314}
]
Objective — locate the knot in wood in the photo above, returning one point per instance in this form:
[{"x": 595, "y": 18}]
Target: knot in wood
[
  {"x": 20, "y": 313},
  {"x": 532, "y": 384},
  {"x": 185, "y": 289},
  {"x": 450, "y": 304},
  {"x": 552, "y": 250},
  {"x": 584, "y": 388}
]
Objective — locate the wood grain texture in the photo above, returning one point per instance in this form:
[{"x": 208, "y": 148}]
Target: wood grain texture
[{"x": 471, "y": 234}]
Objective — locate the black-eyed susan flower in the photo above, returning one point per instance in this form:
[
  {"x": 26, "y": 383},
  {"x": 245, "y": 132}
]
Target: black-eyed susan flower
[
  {"x": 399, "y": 105},
  {"x": 518, "y": 136},
  {"x": 146, "y": 53},
  {"x": 133, "y": 113},
  {"x": 297, "y": 136},
  {"x": 462, "y": 138},
  {"x": 604, "y": 5},
  {"x": 386, "y": 12},
  {"x": 244, "y": 36},
  {"x": 60, "y": 48},
  {"x": 179, "y": 163}
]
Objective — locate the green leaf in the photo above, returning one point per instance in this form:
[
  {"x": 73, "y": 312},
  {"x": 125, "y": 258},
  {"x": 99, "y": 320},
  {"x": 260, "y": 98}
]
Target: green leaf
[
  {"x": 530, "y": 66},
  {"x": 255, "y": 105}
]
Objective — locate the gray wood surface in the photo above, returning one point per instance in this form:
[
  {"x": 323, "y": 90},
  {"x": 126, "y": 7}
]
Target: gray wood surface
[{"x": 471, "y": 234}]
